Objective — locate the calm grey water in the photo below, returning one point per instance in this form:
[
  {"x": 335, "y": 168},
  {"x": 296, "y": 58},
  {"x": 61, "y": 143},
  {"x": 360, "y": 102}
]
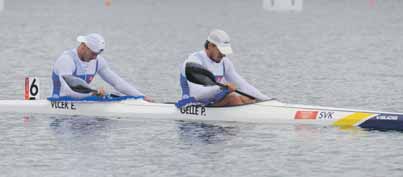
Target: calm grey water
[{"x": 344, "y": 53}]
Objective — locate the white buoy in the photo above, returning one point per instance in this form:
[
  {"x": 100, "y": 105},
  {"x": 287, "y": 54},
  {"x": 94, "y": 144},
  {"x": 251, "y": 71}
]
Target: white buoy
[
  {"x": 283, "y": 5},
  {"x": 1, "y": 5}
]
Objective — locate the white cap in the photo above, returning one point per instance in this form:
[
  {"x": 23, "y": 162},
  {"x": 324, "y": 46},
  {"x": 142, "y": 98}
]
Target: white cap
[
  {"x": 93, "y": 41},
  {"x": 221, "y": 39}
]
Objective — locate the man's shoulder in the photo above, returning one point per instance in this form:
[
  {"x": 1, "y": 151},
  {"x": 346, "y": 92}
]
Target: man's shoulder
[
  {"x": 64, "y": 64},
  {"x": 101, "y": 58},
  {"x": 101, "y": 61},
  {"x": 226, "y": 61},
  {"x": 197, "y": 54},
  {"x": 195, "y": 57},
  {"x": 65, "y": 57}
]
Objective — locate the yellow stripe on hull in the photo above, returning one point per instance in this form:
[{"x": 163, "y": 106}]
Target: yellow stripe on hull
[{"x": 352, "y": 119}]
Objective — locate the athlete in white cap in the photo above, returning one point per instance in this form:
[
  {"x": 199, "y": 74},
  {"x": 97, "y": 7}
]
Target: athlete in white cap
[
  {"x": 214, "y": 58},
  {"x": 85, "y": 62}
]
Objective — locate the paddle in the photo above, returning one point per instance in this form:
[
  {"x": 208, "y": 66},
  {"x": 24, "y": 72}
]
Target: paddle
[
  {"x": 196, "y": 73},
  {"x": 78, "y": 85}
]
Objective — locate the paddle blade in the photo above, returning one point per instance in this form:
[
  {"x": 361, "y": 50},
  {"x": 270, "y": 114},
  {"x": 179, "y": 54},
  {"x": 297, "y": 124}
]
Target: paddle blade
[
  {"x": 77, "y": 84},
  {"x": 197, "y": 74}
]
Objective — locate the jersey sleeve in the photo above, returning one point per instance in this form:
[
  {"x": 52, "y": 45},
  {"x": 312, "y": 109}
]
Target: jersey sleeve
[
  {"x": 115, "y": 80},
  {"x": 233, "y": 77}
]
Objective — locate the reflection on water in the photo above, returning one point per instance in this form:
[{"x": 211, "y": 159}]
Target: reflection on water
[
  {"x": 317, "y": 130},
  {"x": 75, "y": 126},
  {"x": 85, "y": 135},
  {"x": 205, "y": 133}
]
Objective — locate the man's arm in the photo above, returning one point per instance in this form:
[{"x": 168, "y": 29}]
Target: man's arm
[
  {"x": 65, "y": 66},
  {"x": 116, "y": 81},
  {"x": 233, "y": 77},
  {"x": 65, "y": 90}
]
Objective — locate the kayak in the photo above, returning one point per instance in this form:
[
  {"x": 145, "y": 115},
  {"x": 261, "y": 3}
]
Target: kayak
[
  {"x": 132, "y": 107},
  {"x": 271, "y": 111}
]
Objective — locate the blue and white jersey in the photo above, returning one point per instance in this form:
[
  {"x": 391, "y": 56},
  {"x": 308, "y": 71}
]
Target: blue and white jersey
[
  {"x": 224, "y": 71},
  {"x": 70, "y": 64}
]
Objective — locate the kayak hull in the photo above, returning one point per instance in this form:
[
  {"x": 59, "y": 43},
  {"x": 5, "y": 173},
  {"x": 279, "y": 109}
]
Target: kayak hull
[{"x": 264, "y": 112}]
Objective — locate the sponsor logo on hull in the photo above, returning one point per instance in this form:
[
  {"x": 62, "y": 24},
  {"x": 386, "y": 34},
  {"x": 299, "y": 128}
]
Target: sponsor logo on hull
[
  {"x": 387, "y": 117},
  {"x": 384, "y": 122}
]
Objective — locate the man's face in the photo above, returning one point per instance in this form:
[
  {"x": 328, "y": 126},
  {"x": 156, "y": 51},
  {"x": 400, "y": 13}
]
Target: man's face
[
  {"x": 88, "y": 54},
  {"x": 215, "y": 54}
]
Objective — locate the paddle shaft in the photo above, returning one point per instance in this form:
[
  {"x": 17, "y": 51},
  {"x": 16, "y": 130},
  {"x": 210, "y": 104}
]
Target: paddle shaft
[
  {"x": 237, "y": 91},
  {"x": 96, "y": 93}
]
